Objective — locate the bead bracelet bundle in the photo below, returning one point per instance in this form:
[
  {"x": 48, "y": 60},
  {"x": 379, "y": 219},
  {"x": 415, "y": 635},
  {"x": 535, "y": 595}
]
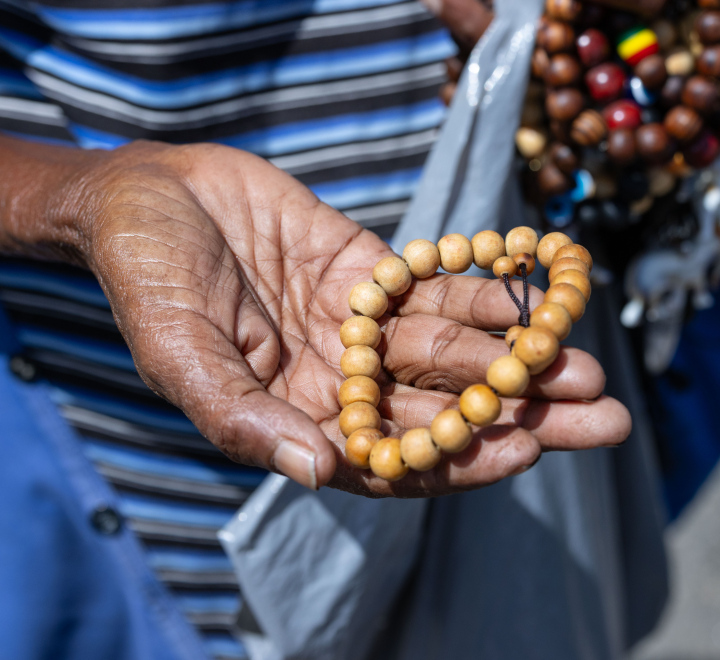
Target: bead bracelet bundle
[{"x": 533, "y": 343}]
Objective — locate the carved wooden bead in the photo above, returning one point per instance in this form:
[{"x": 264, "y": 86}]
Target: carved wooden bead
[
  {"x": 521, "y": 239},
  {"x": 359, "y": 445},
  {"x": 701, "y": 93},
  {"x": 553, "y": 317},
  {"x": 556, "y": 36},
  {"x": 653, "y": 142},
  {"x": 622, "y": 114},
  {"x": 479, "y": 405},
  {"x": 564, "y": 104},
  {"x": 539, "y": 63},
  {"x": 577, "y": 279},
  {"x": 422, "y": 258},
  {"x": 652, "y": 72},
  {"x": 530, "y": 142},
  {"x": 393, "y": 275},
  {"x": 418, "y": 450},
  {"x": 588, "y": 129},
  {"x": 508, "y": 376},
  {"x": 564, "y": 10},
  {"x": 552, "y": 181},
  {"x": 456, "y": 254},
  {"x": 386, "y": 461},
  {"x": 680, "y": 63},
  {"x": 567, "y": 263},
  {"x": 709, "y": 61},
  {"x": 621, "y": 146},
  {"x": 605, "y": 82},
  {"x": 360, "y": 361},
  {"x": 357, "y": 416},
  {"x": 527, "y": 259},
  {"x": 707, "y": 27},
  {"x": 359, "y": 388},
  {"x": 569, "y": 297},
  {"x": 564, "y": 158},
  {"x": 504, "y": 266},
  {"x": 450, "y": 431},
  {"x": 593, "y": 47},
  {"x": 549, "y": 245},
  {"x": 512, "y": 334},
  {"x": 683, "y": 123},
  {"x": 575, "y": 251},
  {"x": 360, "y": 330},
  {"x": 368, "y": 299},
  {"x": 562, "y": 70},
  {"x": 488, "y": 246},
  {"x": 537, "y": 348}
]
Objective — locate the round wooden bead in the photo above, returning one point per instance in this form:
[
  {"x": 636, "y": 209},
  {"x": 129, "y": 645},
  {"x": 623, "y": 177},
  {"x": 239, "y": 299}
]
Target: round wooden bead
[
  {"x": 555, "y": 36},
  {"x": 488, "y": 246},
  {"x": 605, "y": 82},
  {"x": 539, "y": 63},
  {"x": 521, "y": 239},
  {"x": 357, "y": 416},
  {"x": 450, "y": 431},
  {"x": 653, "y": 142},
  {"x": 621, "y": 146},
  {"x": 360, "y": 361},
  {"x": 456, "y": 254},
  {"x": 513, "y": 332},
  {"x": 530, "y": 142},
  {"x": 702, "y": 151},
  {"x": 504, "y": 266},
  {"x": 569, "y": 297},
  {"x": 564, "y": 104},
  {"x": 707, "y": 27},
  {"x": 671, "y": 92},
  {"x": 549, "y": 245},
  {"x": 422, "y": 258},
  {"x": 683, "y": 123},
  {"x": 593, "y": 47},
  {"x": 562, "y": 70},
  {"x": 577, "y": 279},
  {"x": 652, "y": 72},
  {"x": 576, "y": 252},
  {"x": 359, "y": 388},
  {"x": 622, "y": 114},
  {"x": 566, "y": 263},
  {"x": 360, "y": 330},
  {"x": 527, "y": 259},
  {"x": 479, "y": 405},
  {"x": 553, "y": 317},
  {"x": 368, "y": 299},
  {"x": 386, "y": 461},
  {"x": 564, "y": 10},
  {"x": 537, "y": 348},
  {"x": 359, "y": 444},
  {"x": 701, "y": 93},
  {"x": 418, "y": 450},
  {"x": 552, "y": 181},
  {"x": 393, "y": 275},
  {"x": 588, "y": 129},
  {"x": 709, "y": 61},
  {"x": 564, "y": 158},
  {"x": 680, "y": 63},
  {"x": 508, "y": 376}
]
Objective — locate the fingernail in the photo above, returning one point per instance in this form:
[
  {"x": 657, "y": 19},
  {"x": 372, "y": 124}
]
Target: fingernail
[
  {"x": 525, "y": 468},
  {"x": 297, "y": 463}
]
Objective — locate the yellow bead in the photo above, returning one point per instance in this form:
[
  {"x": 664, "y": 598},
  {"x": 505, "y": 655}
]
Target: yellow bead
[
  {"x": 549, "y": 245},
  {"x": 422, "y": 258},
  {"x": 479, "y": 405},
  {"x": 566, "y": 263},
  {"x": 512, "y": 334},
  {"x": 553, "y": 317},
  {"x": 450, "y": 431},
  {"x": 487, "y": 246},
  {"x": 357, "y": 416},
  {"x": 576, "y": 252},
  {"x": 386, "y": 461},
  {"x": 360, "y": 361},
  {"x": 508, "y": 376},
  {"x": 418, "y": 450},
  {"x": 577, "y": 279},
  {"x": 393, "y": 275},
  {"x": 537, "y": 348},
  {"x": 360, "y": 330},
  {"x": 359, "y": 444},
  {"x": 527, "y": 259},
  {"x": 569, "y": 297},
  {"x": 504, "y": 265},
  {"x": 368, "y": 299},
  {"x": 521, "y": 239},
  {"x": 359, "y": 388},
  {"x": 456, "y": 253}
]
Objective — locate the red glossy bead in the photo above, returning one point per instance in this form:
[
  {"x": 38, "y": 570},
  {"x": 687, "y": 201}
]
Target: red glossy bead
[
  {"x": 605, "y": 82},
  {"x": 622, "y": 114},
  {"x": 703, "y": 151},
  {"x": 593, "y": 47}
]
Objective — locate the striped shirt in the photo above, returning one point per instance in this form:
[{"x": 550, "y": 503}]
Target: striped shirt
[{"x": 340, "y": 93}]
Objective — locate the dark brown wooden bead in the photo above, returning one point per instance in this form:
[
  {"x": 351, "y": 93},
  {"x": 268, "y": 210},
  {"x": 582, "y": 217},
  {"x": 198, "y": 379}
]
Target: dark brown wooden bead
[
  {"x": 701, "y": 93},
  {"x": 707, "y": 27},
  {"x": 653, "y": 143},
  {"x": 552, "y": 181},
  {"x": 709, "y": 61},
  {"x": 651, "y": 71},
  {"x": 621, "y": 146},
  {"x": 588, "y": 129},
  {"x": 540, "y": 63},
  {"x": 709, "y": 4},
  {"x": 564, "y": 104},
  {"x": 671, "y": 91},
  {"x": 564, "y": 157},
  {"x": 683, "y": 123},
  {"x": 564, "y": 10},
  {"x": 555, "y": 37},
  {"x": 563, "y": 70}
]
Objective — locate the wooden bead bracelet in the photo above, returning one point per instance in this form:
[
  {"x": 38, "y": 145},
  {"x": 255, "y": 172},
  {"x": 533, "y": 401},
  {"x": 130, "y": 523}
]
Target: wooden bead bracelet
[{"x": 533, "y": 343}]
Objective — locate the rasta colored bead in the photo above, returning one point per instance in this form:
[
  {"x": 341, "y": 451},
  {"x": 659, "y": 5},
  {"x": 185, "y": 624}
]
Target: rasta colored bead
[
  {"x": 622, "y": 114},
  {"x": 605, "y": 82},
  {"x": 637, "y": 44},
  {"x": 593, "y": 47}
]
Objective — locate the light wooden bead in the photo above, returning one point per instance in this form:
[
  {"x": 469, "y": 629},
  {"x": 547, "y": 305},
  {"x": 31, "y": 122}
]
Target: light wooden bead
[
  {"x": 553, "y": 317},
  {"x": 360, "y": 361},
  {"x": 422, "y": 258},
  {"x": 530, "y": 142},
  {"x": 521, "y": 239},
  {"x": 537, "y": 348},
  {"x": 680, "y": 63},
  {"x": 569, "y": 297},
  {"x": 479, "y": 405},
  {"x": 450, "y": 431},
  {"x": 418, "y": 451},
  {"x": 527, "y": 259},
  {"x": 386, "y": 461},
  {"x": 508, "y": 376},
  {"x": 512, "y": 334},
  {"x": 358, "y": 415},
  {"x": 504, "y": 265},
  {"x": 359, "y": 444},
  {"x": 360, "y": 330},
  {"x": 359, "y": 388},
  {"x": 577, "y": 279},
  {"x": 567, "y": 263},
  {"x": 456, "y": 253},
  {"x": 393, "y": 275},
  {"x": 549, "y": 245},
  {"x": 368, "y": 299},
  {"x": 576, "y": 252},
  {"x": 488, "y": 246}
]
